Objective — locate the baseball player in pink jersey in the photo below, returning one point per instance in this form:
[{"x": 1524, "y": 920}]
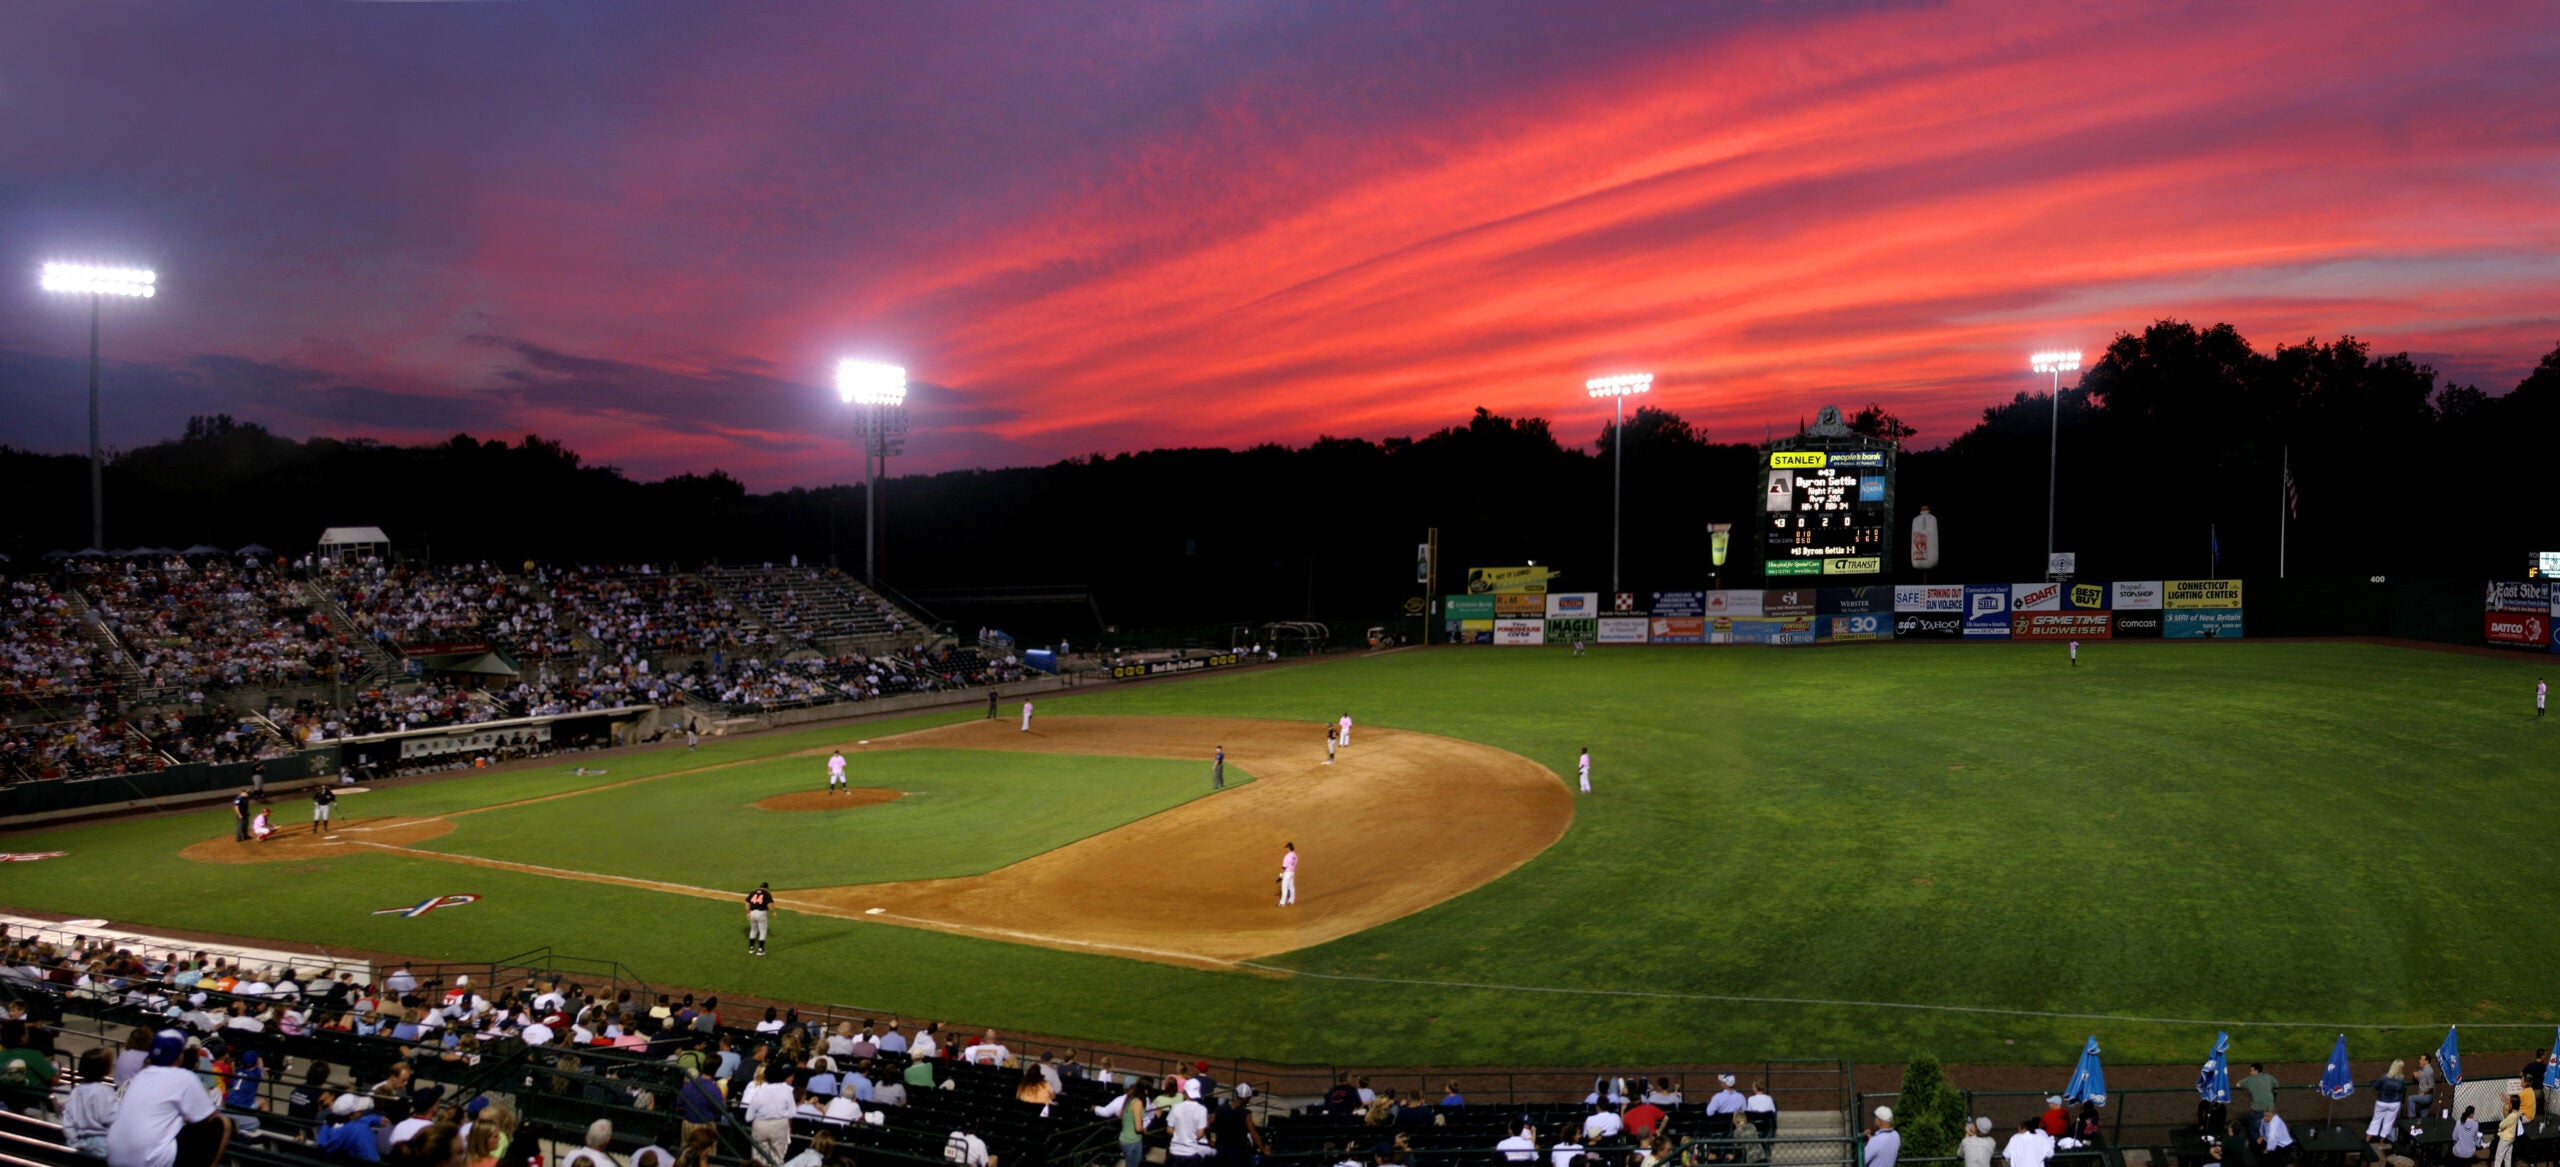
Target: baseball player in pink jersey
[{"x": 1288, "y": 874}]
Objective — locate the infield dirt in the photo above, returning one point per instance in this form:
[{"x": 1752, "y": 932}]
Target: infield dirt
[{"x": 1400, "y": 821}]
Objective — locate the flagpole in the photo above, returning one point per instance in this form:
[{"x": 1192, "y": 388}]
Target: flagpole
[{"x": 2283, "y": 512}]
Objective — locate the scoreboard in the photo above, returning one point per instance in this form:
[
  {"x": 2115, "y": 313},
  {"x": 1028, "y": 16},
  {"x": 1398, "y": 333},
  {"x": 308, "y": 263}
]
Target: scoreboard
[{"x": 1827, "y": 512}]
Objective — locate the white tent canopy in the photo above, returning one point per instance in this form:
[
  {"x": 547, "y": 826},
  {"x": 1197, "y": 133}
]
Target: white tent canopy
[{"x": 353, "y": 540}]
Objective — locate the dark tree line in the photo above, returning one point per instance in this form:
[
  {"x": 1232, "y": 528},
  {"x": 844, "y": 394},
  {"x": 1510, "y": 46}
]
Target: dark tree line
[{"x": 2173, "y": 437}]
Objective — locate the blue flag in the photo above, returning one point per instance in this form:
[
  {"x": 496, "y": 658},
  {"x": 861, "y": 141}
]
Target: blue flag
[
  {"x": 2088, "y": 1079},
  {"x": 2449, "y": 1057},
  {"x": 2335, "y": 1080},
  {"x": 2213, "y": 1083}
]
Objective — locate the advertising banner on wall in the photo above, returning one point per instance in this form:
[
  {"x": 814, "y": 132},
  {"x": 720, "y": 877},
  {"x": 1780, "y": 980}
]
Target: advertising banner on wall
[
  {"x": 1572, "y": 629},
  {"x": 1986, "y": 610},
  {"x": 1518, "y": 604},
  {"x": 2518, "y": 629},
  {"x": 1572, "y": 604},
  {"x": 2520, "y": 596},
  {"x": 2084, "y": 597},
  {"x": 1680, "y": 603},
  {"x": 1727, "y": 604},
  {"x": 1929, "y": 598},
  {"x": 2196, "y": 594},
  {"x": 1467, "y": 607},
  {"x": 1520, "y": 631},
  {"x": 2058, "y": 626},
  {"x": 1676, "y": 629},
  {"x": 2035, "y": 597},
  {"x": 2134, "y": 595},
  {"x": 1928, "y": 625},
  {"x": 1787, "y": 604},
  {"x": 1851, "y": 601},
  {"x": 1531, "y": 579},
  {"x": 1622, "y": 629},
  {"x": 1773, "y": 631},
  {"x": 2138, "y": 624},
  {"x": 2204, "y": 624},
  {"x": 1854, "y": 627}
]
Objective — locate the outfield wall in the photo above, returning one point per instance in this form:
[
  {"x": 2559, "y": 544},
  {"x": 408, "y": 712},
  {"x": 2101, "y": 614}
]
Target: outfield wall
[{"x": 2132, "y": 609}]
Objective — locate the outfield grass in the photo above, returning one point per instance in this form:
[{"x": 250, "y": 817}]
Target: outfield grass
[{"x": 2233, "y": 833}]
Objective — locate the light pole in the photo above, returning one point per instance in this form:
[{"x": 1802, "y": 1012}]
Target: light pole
[
  {"x": 880, "y": 392},
  {"x": 98, "y": 283},
  {"x": 2056, "y": 363},
  {"x": 1617, "y": 389}
]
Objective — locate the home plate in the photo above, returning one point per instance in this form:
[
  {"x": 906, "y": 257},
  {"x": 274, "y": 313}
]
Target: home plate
[
  {"x": 863, "y": 742},
  {"x": 875, "y": 911}
]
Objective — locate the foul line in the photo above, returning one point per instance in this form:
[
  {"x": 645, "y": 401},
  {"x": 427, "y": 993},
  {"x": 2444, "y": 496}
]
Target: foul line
[
  {"x": 538, "y": 869},
  {"x": 797, "y": 905},
  {"x": 1034, "y": 937},
  {"x": 1556, "y": 990}
]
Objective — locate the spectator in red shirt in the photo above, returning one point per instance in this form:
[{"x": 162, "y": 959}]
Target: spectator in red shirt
[{"x": 2056, "y": 1119}]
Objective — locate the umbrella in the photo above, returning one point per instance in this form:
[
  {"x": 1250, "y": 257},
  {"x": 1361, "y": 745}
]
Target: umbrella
[
  {"x": 2449, "y": 1057},
  {"x": 2088, "y": 1079},
  {"x": 257, "y": 549},
  {"x": 2336, "y": 1081},
  {"x": 88, "y": 553},
  {"x": 202, "y": 549},
  {"x": 57, "y": 554},
  {"x": 2213, "y": 1083}
]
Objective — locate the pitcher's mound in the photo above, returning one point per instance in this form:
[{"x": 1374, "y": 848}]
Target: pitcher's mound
[
  {"x": 295, "y": 841},
  {"x": 823, "y": 800}
]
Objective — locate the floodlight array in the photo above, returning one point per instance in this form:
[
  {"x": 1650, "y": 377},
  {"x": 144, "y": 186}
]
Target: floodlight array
[
  {"x": 94, "y": 280},
  {"x": 2055, "y": 362},
  {"x": 1621, "y": 385},
  {"x": 871, "y": 383}
]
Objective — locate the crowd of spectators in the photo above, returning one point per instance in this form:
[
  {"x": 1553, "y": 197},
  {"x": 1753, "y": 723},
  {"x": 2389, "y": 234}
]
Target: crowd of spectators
[
  {"x": 213, "y": 623},
  {"x": 310, "y": 720},
  {"x": 45, "y": 656},
  {"x": 652, "y": 613},
  {"x": 408, "y": 606},
  {"x": 89, "y": 747},
  {"x": 584, "y": 685},
  {"x": 807, "y": 603},
  {"x": 215, "y": 737}
]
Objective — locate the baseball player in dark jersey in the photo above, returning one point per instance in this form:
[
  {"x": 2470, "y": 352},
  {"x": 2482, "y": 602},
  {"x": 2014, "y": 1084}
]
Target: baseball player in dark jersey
[{"x": 759, "y": 909}]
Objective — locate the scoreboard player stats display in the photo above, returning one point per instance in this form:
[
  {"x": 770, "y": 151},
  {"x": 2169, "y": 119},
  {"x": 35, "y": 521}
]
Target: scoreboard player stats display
[{"x": 1827, "y": 511}]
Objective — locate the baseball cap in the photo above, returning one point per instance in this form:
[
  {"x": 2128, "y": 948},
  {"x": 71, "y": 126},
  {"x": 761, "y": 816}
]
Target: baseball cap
[
  {"x": 167, "y": 1048},
  {"x": 477, "y": 1104},
  {"x": 1885, "y": 1113},
  {"x": 1244, "y": 1090},
  {"x": 1983, "y": 1125}
]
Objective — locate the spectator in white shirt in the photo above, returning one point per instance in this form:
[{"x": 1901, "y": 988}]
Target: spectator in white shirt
[
  {"x": 1521, "y": 1147},
  {"x": 768, "y": 1104},
  {"x": 1977, "y": 1148},
  {"x": 2030, "y": 1147},
  {"x": 965, "y": 1148},
  {"x": 1188, "y": 1123},
  {"x": 1604, "y": 1123}
]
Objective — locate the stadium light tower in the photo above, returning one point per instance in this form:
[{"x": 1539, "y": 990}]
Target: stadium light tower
[
  {"x": 1617, "y": 389},
  {"x": 2056, "y": 363},
  {"x": 98, "y": 283},
  {"x": 878, "y": 393}
]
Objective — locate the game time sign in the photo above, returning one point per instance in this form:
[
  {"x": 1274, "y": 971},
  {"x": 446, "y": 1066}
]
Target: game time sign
[{"x": 1827, "y": 512}]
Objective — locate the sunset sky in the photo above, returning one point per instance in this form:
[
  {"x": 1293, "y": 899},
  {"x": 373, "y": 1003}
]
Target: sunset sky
[{"x": 649, "y": 229}]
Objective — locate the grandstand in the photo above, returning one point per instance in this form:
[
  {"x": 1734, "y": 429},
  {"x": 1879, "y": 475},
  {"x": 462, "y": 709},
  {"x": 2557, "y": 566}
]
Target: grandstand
[{"x": 115, "y": 666}]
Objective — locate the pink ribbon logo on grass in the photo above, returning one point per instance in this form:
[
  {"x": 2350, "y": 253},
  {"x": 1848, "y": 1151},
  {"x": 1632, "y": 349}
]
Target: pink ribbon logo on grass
[
  {"x": 30, "y": 856},
  {"x": 429, "y": 904}
]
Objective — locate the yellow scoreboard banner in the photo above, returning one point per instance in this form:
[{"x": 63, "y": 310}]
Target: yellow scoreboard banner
[
  {"x": 1530, "y": 580},
  {"x": 2201, "y": 593}
]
